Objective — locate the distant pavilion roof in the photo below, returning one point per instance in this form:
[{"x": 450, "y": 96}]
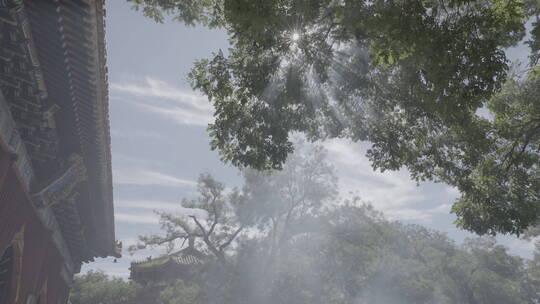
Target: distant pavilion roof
[
  {"x": 188, "y": 256},
  {"x": 173, "y": 266}
]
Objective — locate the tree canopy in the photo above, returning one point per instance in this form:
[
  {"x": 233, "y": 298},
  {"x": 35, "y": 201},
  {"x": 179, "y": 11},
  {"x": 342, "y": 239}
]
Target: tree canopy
[
  {"x": 410, "y": 77},
  {"x": 95, "y": 287},
  {"x": 355, "y": 256}
]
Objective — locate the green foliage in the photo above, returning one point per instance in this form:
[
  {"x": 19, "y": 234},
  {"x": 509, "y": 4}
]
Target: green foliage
[
  {"x": 181, "y": 292},
  {"x": 190, "y": 12},
  {"x": 501, "y": 191},
  {"x": 407, "y": 76},
  {"x": 356, "y": 256},
  {"x": 95, "y": 287},
  {"x": 534, "y": 42}
]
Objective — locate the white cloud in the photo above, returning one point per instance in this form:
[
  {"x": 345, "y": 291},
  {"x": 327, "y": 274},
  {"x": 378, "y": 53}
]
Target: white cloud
[
  {"x": 126, "y": 161},
  {"x": 441, "y": 209},
  {"x": 411, "y": 214},
  {"x": 518, "y": 246},
  {"x": 180, "y": 115},
  {"x": 149, "y": 177},
  {"x": 160, "y": 206},
  {"x": 147, "y": 204},
  {"x": 407, "y": 214},
  {"x": 184, "y": 107},
  {"x": 149, "y": 218},
  {"x": 384, "y": 190},
  {"x": 526, "y": 246},
  {"x": 392, "y": 192},
  {"x": 453, "y": 192},
  {"x": 162, "y": 90}
]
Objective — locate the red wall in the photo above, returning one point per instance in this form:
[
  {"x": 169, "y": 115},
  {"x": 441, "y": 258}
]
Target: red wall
[{"x": 41, "y": 261}]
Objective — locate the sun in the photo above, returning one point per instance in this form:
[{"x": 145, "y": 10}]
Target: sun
[{"x": 295, "y": 36}]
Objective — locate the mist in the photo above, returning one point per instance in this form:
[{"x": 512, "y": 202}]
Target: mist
[{"x": 290, "y": 236}]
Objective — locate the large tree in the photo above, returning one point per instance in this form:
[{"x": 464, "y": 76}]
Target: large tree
[
  {"x": 213, "y": 221},
  {"x": 408, "y": 76},
  {"x": 267, "y": 204},
  {"x": 277, "y": 203}
]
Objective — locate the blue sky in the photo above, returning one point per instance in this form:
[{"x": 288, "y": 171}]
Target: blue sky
[{"x": 160, "y": 146}]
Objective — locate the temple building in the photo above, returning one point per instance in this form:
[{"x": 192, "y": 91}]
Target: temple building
[
  {"x": 56, "y": 205},
  {"x": 155, "y": 274},
  {"x": 183, "y": 264}
]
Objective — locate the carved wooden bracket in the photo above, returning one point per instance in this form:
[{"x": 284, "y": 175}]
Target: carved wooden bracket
[{"x": 63, "y": 186}]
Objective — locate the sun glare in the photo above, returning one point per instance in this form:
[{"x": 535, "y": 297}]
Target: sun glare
[{"x": 295, "y": 36}]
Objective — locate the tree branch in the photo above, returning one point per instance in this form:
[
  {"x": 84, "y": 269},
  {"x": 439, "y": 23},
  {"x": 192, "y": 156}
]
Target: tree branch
[
  {"x": 235, "y": 234},
  {"x": 214, "y": 224},
  {"x": 199, "y": 225},
  {"x": 510, "y": 157},
  {"x": 206, "y": 238}
]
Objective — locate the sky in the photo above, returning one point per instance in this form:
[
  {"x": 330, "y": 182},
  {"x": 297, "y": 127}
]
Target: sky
[{"x": 160, "y": 144}]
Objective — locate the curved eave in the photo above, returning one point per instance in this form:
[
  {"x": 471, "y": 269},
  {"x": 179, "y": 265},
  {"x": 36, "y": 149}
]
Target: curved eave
[{"x": 70, "y": 40}]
